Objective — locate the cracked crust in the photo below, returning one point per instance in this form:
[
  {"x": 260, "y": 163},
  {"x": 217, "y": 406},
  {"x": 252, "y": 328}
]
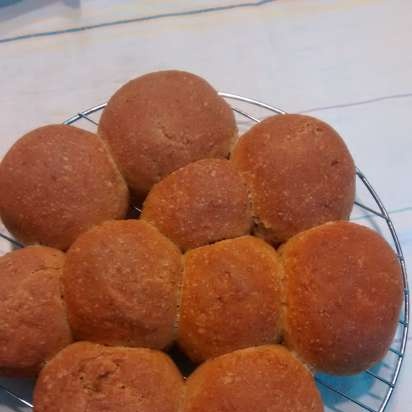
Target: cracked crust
[
  {"x": 343, "y": 291},
  {"x": 201, "y": 203},
  {"x": 230, "y": 298},
  {"x": 162, "y": 121},
  {"x": 265, "y": 378},
  {"x": 299, "y": 173},
  {"x": 121, "y": 284},
  {"x": 60, "y": 181},
  {"x": 33, "y": 323},
  {"x": 87, "y": 377}
]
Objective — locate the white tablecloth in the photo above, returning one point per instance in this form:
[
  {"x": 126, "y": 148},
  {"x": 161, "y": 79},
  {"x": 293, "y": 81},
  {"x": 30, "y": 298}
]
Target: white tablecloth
[{"x": 348, "y": 62}]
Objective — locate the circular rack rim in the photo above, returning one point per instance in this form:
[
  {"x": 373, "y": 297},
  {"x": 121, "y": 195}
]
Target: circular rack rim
[{"x": 381, "y": 213}]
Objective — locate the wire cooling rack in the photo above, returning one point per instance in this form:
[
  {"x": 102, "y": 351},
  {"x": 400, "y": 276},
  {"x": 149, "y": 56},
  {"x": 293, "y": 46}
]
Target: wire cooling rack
[{"x": 372, "y": 389}]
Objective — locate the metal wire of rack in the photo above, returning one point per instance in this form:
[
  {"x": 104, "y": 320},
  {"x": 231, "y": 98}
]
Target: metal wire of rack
[{"x": 380, "y": 213}]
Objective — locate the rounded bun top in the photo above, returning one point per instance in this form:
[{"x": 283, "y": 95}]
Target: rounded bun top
[
  {"x": 230, "y": 297},
  {"x": 343, "y": 290},
  {"x": 59, "y": 181},
  {"x": 200, "y": 203},
  {"x": 265, "y": 378},
  {"x": 162, "y": 121},
  {"x": 299, "y": 173},
  {"x": 33, "y": 322},
  {"x": 86, "y": 376},
  {"x": 121, "y": 282}
]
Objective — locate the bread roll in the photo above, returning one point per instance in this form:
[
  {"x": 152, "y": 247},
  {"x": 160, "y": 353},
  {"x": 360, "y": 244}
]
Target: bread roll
[
  {"x": 93, "y": 378},
  {"x": 33, "y": 322},
  {"x": 230, "y": 298},
  {"x": 121, "y": 282},
  {"x": 59, "y": 181},
  {"x": 299, "y": 172},
  {"x": 261, "y": 379},
  {"x": 343, "y": 293},
  {"x": 201, "y": 203},
  {"x": 162, "y": 121}
]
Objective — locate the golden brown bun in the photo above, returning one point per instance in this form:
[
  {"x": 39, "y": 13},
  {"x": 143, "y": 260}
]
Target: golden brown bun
[
  {"x": 121, "y": 282},
  {"x": 162, "y": 121},
  {"x": 93, "y": 378},
  {"x": 230, "y": 298},
  {"x": 33, "y": 322},
  {"x": 59, "y": 181},
  {"x": 299, "y": 172},
  {"x": 343, "y": 291},
  {"x": 261, "y": 379},
  {"x": 201, "y": 203}
]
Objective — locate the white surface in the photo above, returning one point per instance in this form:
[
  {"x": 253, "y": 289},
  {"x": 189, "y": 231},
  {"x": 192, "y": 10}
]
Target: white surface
[{"x": 300, "y": 55}]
